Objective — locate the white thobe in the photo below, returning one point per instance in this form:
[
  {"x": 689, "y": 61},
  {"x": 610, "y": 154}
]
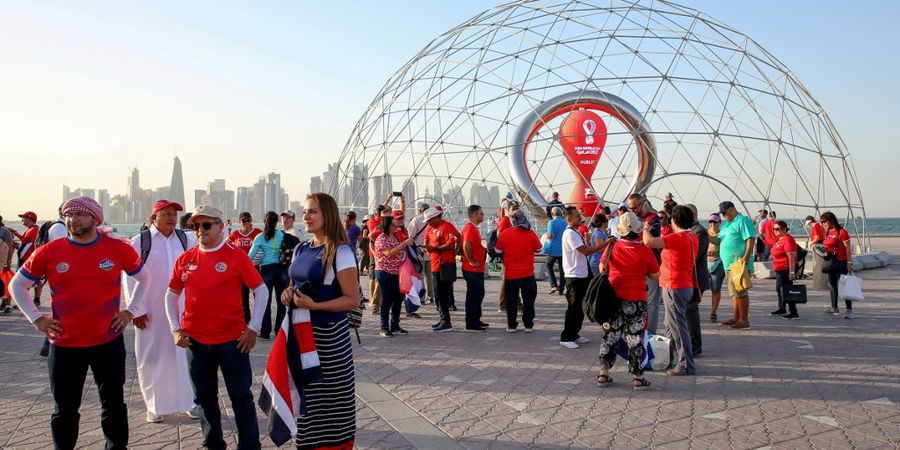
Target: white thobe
[{"x": 161, "y": 365}]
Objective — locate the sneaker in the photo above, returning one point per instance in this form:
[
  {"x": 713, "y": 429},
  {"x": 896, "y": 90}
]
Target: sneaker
[
  {"x": 154, "y": 418},
  {"x": 582, "y": 340},
  {"x": 45, "y": 352},
  {"x": 445, "y": 327},
  {"x": 7, "y": 310},
  {"x": 484, "y": 325},
  {"x": 193, "y": 413},
  {"x": 849, "y": 314},
  {"x": 778, "y": 312},
  {"x": 385, "y": 333},
  {"x": 569, "y": 344},
  {"x": 673, "y": 372},
  {"x": 552, "y": 289},
  {"x": 452, "y": 308},
  {"x": 510, "y": 330},
  {"x": 399, "y": 331},
  {"x": 831, "y": 311},
  {"x": 791, "y": 316},
  {"x": 476, "y": 330},
  {"x": 413, "y": 315},
  {"x": 436, "y": 325},
  {"x": 529, "y": 329}
]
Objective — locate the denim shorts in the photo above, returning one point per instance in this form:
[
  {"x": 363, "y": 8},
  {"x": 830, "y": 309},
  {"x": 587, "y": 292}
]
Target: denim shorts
[{"x": 716, "y": 274}]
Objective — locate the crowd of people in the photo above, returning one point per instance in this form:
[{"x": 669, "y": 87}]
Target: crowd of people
[{"x": 188, "y": 294}]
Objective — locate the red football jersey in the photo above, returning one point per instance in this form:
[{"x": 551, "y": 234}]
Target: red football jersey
[
  {"x": 243, "y": 241},
  {"x": 86, "y": 285}
]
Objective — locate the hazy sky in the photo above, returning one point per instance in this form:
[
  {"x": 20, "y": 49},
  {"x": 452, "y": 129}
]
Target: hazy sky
[{"x": 238, "y": 89}]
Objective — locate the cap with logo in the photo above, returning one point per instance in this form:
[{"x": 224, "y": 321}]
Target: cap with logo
[
  {"x": 29, "y": 215},
  {"x": 163, "y": 204},
  {"x": 206, "y": 211},
  {"x": 289, "y": 213}
]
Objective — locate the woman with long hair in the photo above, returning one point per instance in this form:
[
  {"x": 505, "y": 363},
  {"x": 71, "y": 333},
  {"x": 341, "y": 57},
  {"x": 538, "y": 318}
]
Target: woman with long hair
[
  {"x": 391, "y": 253},
  {"x": 837, "y": 243},
  {"x": 323, "y": 270},
  {"x": 265, "y": 252},
  {"x": 784, "y": 260}
]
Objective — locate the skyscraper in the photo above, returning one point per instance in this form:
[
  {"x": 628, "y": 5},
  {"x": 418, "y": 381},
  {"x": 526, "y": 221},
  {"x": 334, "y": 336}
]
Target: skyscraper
[{"x": 176, "y": 186}]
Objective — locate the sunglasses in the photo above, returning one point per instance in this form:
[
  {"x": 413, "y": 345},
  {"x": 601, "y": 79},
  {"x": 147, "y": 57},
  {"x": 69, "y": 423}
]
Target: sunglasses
[
  {"x": 777, "y": 228},
  {"x": 205, "y": 225}
]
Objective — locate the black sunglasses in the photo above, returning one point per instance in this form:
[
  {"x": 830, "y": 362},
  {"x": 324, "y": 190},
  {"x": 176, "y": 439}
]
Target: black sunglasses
[{"x": 206, "y": 226}]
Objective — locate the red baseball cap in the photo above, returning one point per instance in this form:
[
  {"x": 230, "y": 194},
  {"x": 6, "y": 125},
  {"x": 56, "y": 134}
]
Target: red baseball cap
[
  {"x": 163, "y": 204},
  {"x": 397, "y": 214},
  {"x": 29, "y": 215}
]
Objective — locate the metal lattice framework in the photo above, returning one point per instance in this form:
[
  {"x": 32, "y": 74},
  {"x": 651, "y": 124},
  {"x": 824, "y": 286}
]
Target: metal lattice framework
[{"x": 729, "y": 120}]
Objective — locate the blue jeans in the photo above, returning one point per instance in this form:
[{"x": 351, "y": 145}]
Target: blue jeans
[
  {"x": 204, "y": 362},
  {"x": 474, "y": 297},
  {"x": 552, "y": 261},
  {"x": 391, "y": 299},
  {"x": 276, "y": 279}
]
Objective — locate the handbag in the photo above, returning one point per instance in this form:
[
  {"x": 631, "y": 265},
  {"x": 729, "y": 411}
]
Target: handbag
[
  {"x": 600, "y": 303},
  {"x": 448, "y": 272},
  {"x": 794, "y": 293},
  {"x": 829, "y": 263},
  {"x": 740, "y": 276},
  {"x": 850, "y": 287}
]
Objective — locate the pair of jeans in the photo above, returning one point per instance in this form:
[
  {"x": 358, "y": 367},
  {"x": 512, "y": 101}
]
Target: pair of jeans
[
  {"x": 68, "y": 369},
  {"x": 474, "y": 297},
  {"x": 654, "y": 299},
  {"x": 204, "y": 362},
  {"x": 391, "y": 299},
  {"x": 692, "y": 316},
  {"x": 782, "y": 279},
  {"x": 833, "y": 278},
  {"x": 676, "y": 301},
  {"x": 576, "y": 288},
  {"x": 552, "y": 261},
  {"x": 276, "y": 278},
  {"x": 527, "y": 288},
  {"x": 444, "y": 297}
]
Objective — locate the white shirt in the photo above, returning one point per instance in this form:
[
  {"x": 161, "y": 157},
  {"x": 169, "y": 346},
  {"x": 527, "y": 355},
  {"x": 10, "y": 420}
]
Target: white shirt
[
  {"x": 56, "y": 231},
  {"x": 575, "y": 265},
  {"x": 416, "y": 224}
]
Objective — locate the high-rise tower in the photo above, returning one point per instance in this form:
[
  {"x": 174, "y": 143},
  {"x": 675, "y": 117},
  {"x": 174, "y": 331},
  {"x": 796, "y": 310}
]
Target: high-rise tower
[{"x": 176, "y": 187}]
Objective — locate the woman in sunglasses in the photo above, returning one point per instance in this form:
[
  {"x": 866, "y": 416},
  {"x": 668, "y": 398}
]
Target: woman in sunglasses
[
  {"x": 837, "y": 243},
  {"x": 784, "y": 260}
]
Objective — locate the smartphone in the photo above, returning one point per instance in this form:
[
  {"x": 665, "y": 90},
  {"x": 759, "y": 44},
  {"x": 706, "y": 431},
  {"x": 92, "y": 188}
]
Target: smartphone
[{"x": 397, "y": 194}]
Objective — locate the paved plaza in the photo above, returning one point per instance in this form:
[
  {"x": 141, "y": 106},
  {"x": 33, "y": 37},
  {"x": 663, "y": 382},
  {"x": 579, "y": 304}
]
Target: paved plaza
[{"x": 821, "y": 382}]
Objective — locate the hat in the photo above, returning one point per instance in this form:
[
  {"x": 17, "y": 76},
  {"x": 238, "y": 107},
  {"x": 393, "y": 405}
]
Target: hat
[
  {"x": 398, "y": 214},
  {"x": 714, "y": 218},
  {"x": 84, "y": 205},
  {"x": 207, "y": 211},
  {"x": 623, "y": 205},
  {"x": 725, "y": 206},
  {"x": 367, "y": 217},
  {"x": 629, "y": 223},
  {"x": 518, "y": 219},
  {"x": 163, "y": 204},
  {"x": 29, "y": 215},
  {"x": 433, "y": 212},
  {"x": 289, "y": 213}
]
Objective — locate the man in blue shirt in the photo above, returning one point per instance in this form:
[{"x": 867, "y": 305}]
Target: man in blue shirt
[
  {"x": 736, "y": 244},
  {"x": 555, "y": 229}
]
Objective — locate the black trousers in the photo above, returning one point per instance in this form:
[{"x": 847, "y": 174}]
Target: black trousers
[
  {"x": 527, "y": 288},
  {"x": 692, "y": 316},
  {"x": 68, "y": 369},
  {"x": 782, "y": 279},
  {"x": 474, "y": 297},
  {"x": 444, "y": 291},
  {"x": 575, "y": 291}
]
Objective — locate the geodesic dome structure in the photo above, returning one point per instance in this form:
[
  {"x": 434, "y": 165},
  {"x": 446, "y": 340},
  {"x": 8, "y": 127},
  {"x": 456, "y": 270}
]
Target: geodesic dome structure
[{"x": 714, "y": 116}]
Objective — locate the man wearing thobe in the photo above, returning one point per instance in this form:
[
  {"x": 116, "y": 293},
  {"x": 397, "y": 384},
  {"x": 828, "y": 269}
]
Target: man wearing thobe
[{"x": 161, "y": 365}]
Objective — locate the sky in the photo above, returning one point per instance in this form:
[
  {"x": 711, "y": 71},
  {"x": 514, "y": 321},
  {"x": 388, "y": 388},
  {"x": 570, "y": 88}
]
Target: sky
[{"x": 240, "y": 89}]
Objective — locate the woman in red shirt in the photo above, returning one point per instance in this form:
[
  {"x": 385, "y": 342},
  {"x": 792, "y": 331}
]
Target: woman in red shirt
[
  {"x": 390, "y": 253},
  {"x": 837, "y": 243},
  {"x": 784, "y": 260},
  {"x": 629, "y": 266}
]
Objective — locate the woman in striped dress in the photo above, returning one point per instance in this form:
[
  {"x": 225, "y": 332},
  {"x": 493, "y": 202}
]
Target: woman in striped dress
[{"x": 327, "y": 266}]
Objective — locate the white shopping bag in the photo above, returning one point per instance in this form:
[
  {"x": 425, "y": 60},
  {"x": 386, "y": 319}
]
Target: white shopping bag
[
  {"x": 850, "y": 288},
  {"x": 660, "y": 346}
]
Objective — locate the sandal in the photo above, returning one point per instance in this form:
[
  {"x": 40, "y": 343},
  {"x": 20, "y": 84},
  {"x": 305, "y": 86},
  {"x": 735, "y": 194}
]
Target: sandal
[
  {"x": 607, "y": 380},
  {"x": 640, "y": 384}
]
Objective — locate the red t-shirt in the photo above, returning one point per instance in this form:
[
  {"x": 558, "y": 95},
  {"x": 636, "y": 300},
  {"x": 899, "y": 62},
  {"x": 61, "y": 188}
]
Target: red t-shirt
[
  {"x": 503, "y": 225},
  {"x": 242, "y": 241},
  {"x": 783, "y": 246},
  {"x": 213, "y": 313},
  {"x": 768, "y": 233},
  {"x": 471, "y": 235},
  {"x": 439, "y": 235},
  {"x": 679, "y": 260},
  {"x": 629, "y": 266},
  {"x": 374, "y": 225},
  {"x": 666, "y": 230},
  {"x": 86, "y": 285},
  {"x": 816, "y": 232},
  {"x": 834, "y": 240},
  {"x": 29, "y": 237},
  {"x": 518, "y": 246}
]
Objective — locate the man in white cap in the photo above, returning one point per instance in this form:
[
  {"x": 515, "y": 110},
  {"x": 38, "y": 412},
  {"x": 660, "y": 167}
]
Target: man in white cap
[
  {"x": 212, "y": 327},
  {"x": 441, "y": 239},
  {"x": 161, "y": 365},
  {"x": 85, "y": 328},
  {"x": 287, "y": 221}
]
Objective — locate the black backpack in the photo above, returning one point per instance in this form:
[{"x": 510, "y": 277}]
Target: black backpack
[
  {"x": 492, "y": 245},
  {"x": 286, "y": 254},
  {"x": 146, "y": 242},
  {"x": 43, "y": 236},
  {"x": 600, "y": 303}
]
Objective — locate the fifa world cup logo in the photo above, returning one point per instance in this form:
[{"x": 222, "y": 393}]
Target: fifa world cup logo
[{"x": 583, "y": 137}]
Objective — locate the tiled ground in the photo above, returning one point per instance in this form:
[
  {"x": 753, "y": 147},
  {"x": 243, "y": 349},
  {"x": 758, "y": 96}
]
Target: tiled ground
[{"x": 821, "y": 382}]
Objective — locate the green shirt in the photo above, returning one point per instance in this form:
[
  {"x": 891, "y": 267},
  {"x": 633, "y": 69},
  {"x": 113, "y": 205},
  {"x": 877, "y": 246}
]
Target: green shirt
[{"x": 733, "y": 240}]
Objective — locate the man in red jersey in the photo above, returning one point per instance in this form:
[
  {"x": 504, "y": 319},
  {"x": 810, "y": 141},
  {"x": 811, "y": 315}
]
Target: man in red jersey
[
  {"x": 474, "y": 257},
  {"x": 518, "y": 245},
  {"x": 212, "y": 328},
  {"x": 511, "y": 206},
  {"x": 441, "y": 239},
  {"x": 242, "y": 238},
  {"x": 85, "y": 328}
]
